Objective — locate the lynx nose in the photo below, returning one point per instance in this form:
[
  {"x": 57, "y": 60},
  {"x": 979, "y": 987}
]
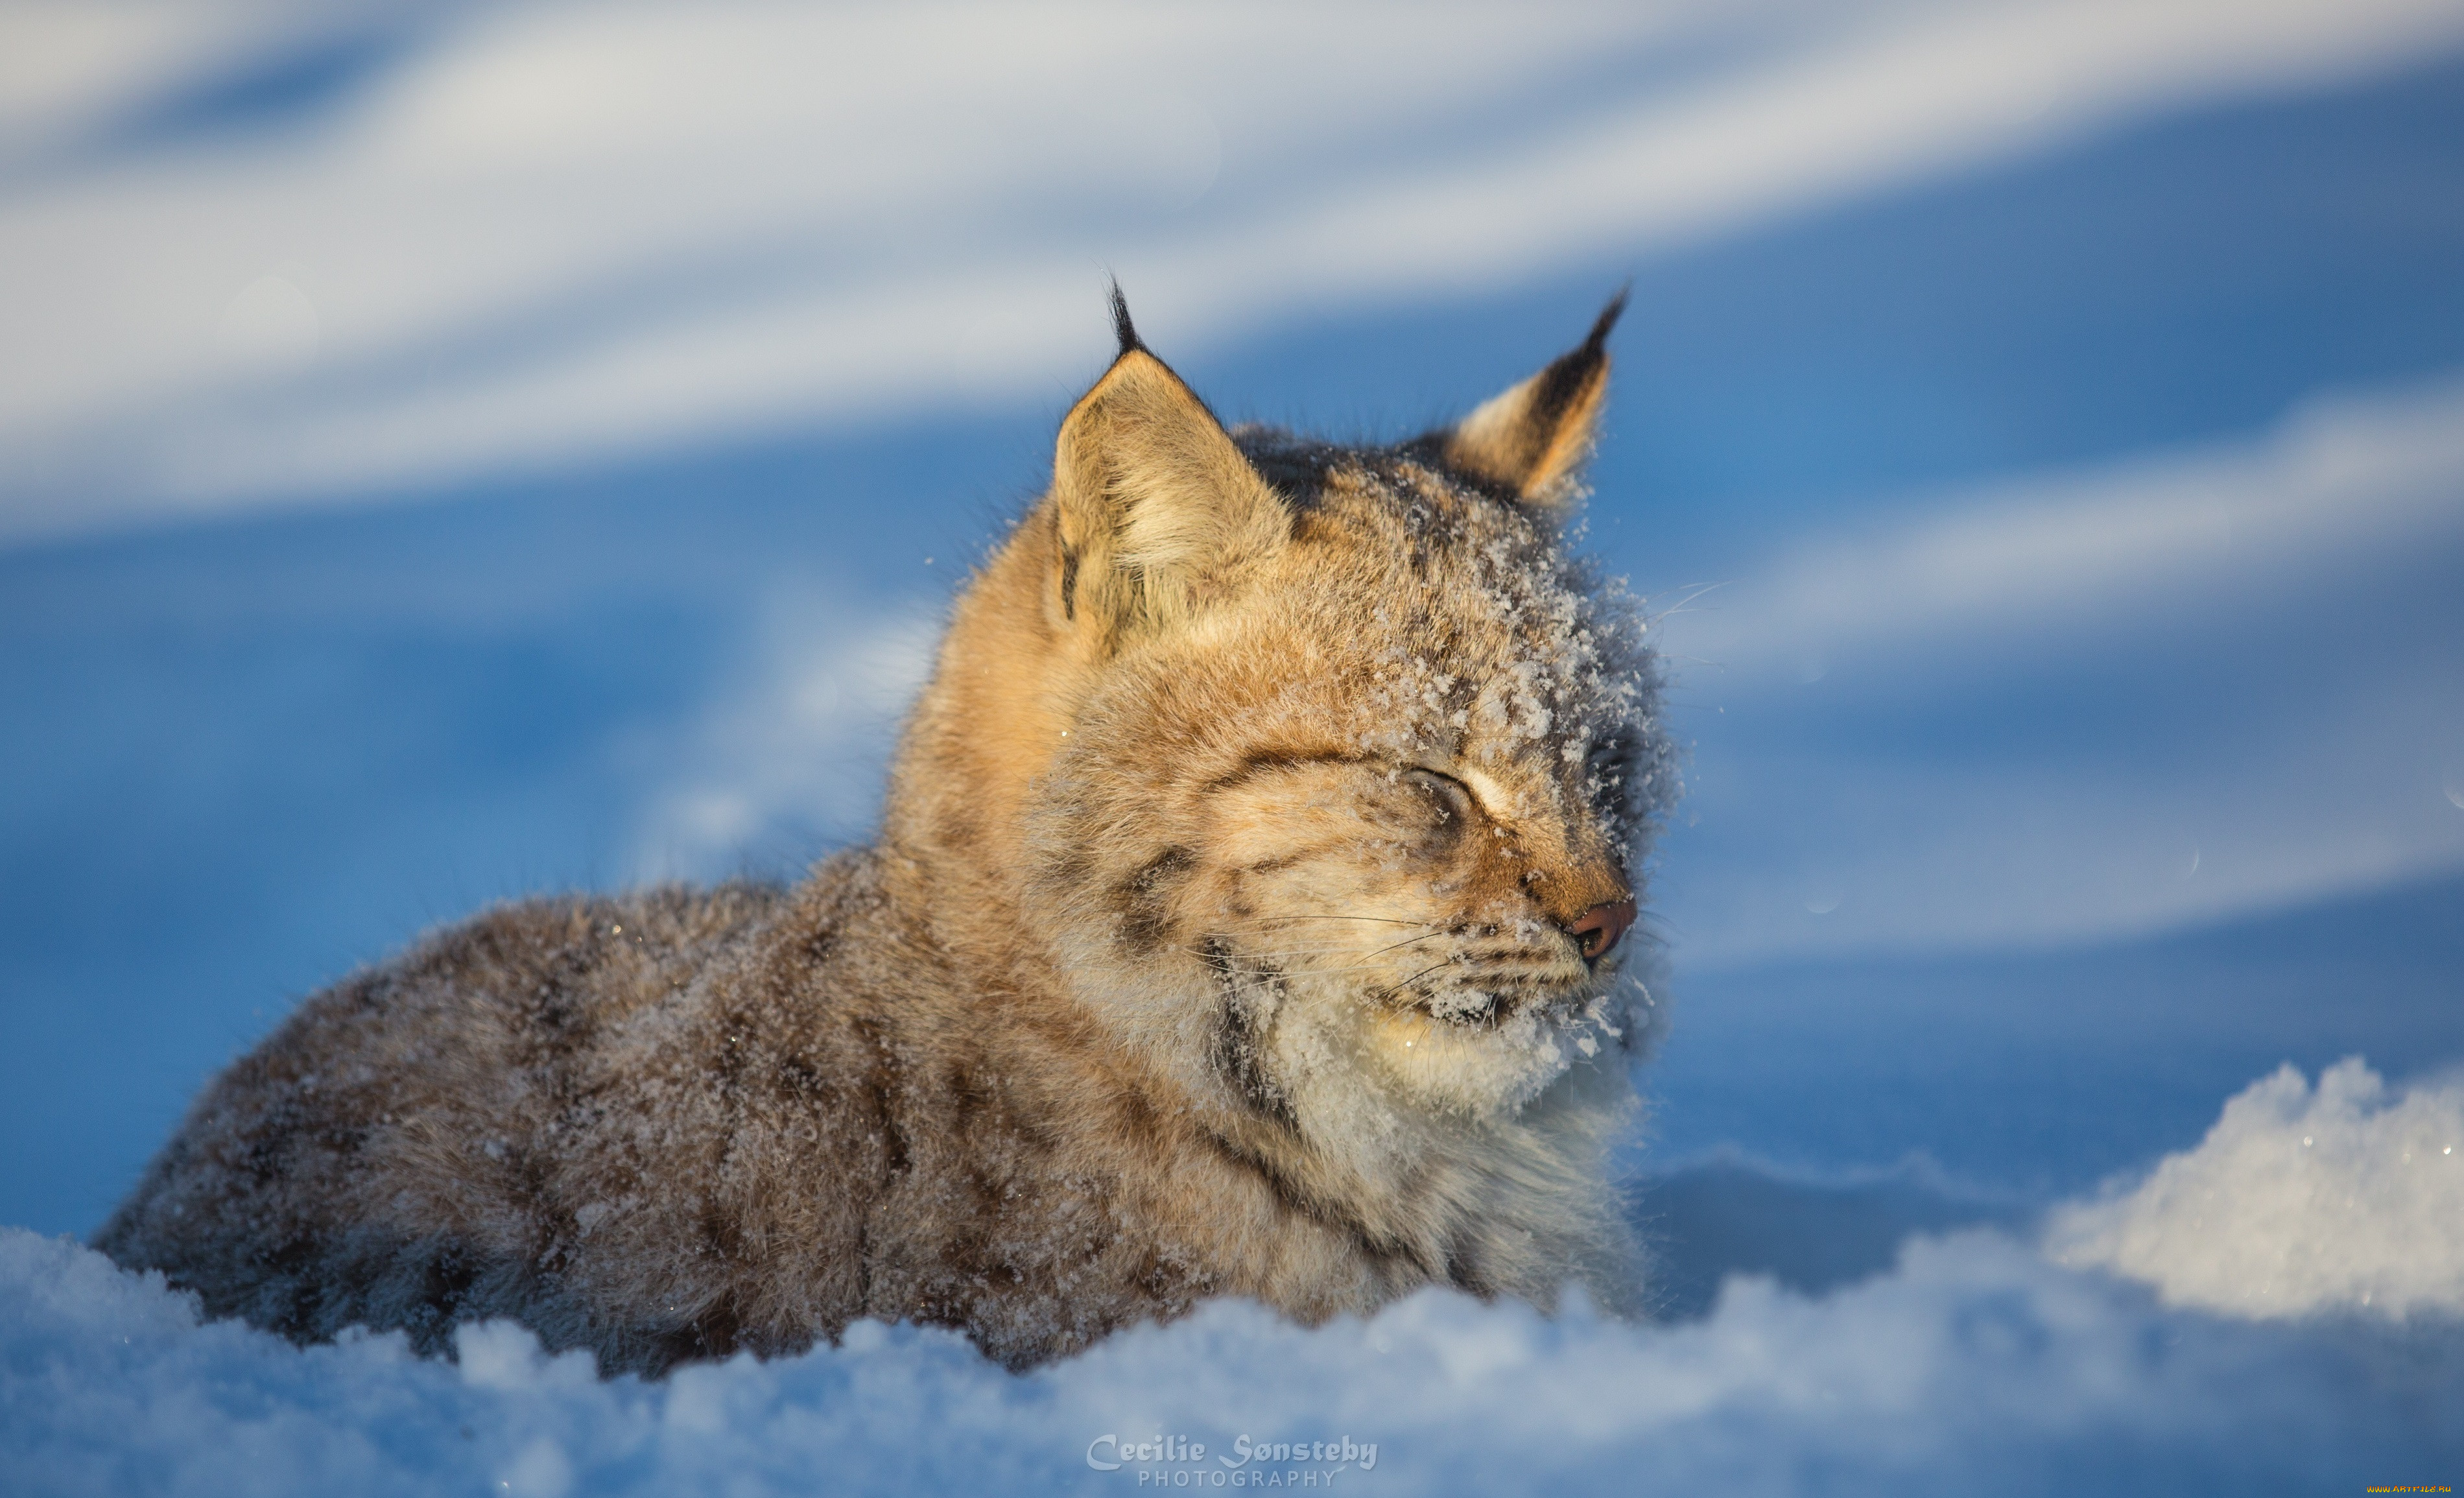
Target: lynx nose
[{"x": 1602, "y": 927}]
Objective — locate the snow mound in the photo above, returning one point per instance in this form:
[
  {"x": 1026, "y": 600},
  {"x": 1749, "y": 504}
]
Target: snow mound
[
  {"x": 2346, "y": 1198},
  {"x": 1975, "y": 1365}
]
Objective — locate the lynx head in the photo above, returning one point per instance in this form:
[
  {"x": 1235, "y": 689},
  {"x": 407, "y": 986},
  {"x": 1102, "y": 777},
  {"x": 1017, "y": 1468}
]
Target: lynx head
[{"x": 1318, "y": 775}]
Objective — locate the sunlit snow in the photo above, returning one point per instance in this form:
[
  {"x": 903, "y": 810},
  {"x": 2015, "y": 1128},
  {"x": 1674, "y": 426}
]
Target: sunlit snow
[{"x": 2347, "y": 1197}]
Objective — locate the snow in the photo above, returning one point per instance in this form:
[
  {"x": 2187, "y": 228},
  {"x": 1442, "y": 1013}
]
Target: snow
[
  {"x": 1975, "y": 1363},
  {"x": 2347, "y": 1197}
]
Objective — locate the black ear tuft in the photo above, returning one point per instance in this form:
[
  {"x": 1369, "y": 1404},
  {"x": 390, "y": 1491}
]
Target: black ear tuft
[
  {"x": 1573, "y": 378},
  {"x": 1533, "y": 437},
  {"x": 1123, "y": 329},
  {"x": 1598, "y": 344}
]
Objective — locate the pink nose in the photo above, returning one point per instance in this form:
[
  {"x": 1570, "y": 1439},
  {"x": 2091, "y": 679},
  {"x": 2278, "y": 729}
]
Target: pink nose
[{"x": 1602, "y": 927}]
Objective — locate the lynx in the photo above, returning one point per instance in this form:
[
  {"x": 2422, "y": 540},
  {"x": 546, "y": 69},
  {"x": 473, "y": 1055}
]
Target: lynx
[{"x": 1246, "y": 919}]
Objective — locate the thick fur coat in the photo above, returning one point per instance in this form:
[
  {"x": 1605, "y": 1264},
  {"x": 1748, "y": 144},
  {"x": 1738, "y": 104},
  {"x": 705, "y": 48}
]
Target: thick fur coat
[{"x": 1245, "y": 920}]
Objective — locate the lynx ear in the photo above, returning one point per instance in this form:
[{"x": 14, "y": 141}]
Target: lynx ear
[
  {"x": 1154, "y": 510},
  {"x": 1532, "y": 438}
]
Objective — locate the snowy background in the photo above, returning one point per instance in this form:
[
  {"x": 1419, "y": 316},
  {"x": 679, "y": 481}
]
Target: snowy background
[{"x": 451, "y": 451}]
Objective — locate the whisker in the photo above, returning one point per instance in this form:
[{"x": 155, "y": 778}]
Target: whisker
[
  {"x": 1330, "y": 945},
  {"x": 1354, "y": 967},
  {"x": 1390, "y": 990},
  {"x": 1333, "y": 948},
  {"x": 1385, "y": 921},
  {"x": 1430, "y": 934}
]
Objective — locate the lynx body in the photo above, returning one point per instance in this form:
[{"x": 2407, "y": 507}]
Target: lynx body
[{"x": 1244, "y": 920}]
